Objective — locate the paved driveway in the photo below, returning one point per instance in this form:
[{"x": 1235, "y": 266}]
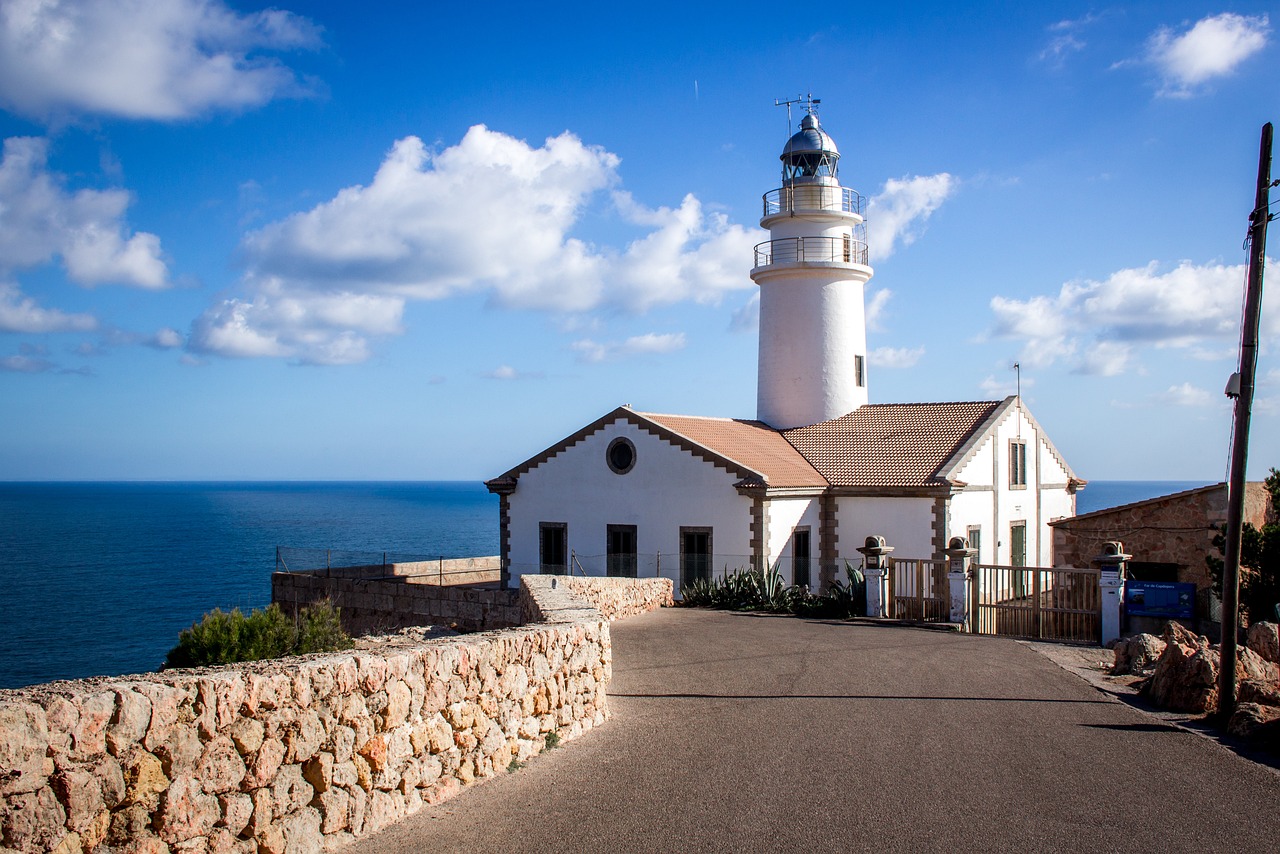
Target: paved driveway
[{"x": 736, "y": 732}]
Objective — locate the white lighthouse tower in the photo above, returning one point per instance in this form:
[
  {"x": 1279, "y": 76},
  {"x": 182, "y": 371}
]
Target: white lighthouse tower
[{"x": 811, "y": 273}]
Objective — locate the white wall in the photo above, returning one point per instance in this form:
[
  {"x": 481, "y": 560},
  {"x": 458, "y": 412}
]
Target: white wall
[
  {"x": 665, "y": 489},
  {"x": 995, "y": 511},
  {"x": 905, "y": 523},
  {"x": 785, "y": 515}
]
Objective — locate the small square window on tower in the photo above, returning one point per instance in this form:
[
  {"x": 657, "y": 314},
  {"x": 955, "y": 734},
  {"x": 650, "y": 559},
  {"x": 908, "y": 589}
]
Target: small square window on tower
[{"x": 859, "y": 372}]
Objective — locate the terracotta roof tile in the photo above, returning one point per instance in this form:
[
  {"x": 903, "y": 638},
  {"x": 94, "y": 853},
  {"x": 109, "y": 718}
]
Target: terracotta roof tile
[
  {"x": 890, "y": 444},
  {"x": 754, "y": 444}
]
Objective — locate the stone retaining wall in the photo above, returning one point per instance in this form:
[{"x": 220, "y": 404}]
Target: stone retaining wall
[
  {"x": 619, "y": 598},
  {"x": 379, "y": 605},
  {"x": 299, "y": 754}
]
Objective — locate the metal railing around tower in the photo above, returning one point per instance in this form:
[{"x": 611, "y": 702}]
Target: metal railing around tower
[
  {"x": 812, "y": 250},
  {"x": 813, "y": 197}
]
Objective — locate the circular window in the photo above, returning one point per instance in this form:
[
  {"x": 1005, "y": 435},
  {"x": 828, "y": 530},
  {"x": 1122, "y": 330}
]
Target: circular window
[{"x": 621, "y": 455}]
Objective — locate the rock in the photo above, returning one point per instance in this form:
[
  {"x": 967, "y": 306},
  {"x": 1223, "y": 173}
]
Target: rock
[
  {"x": 129, "y": 721},
  {"x": 1137, "y": 655},
  {"x": 23, "y": 748},
  {"x": 1264, "y": 639},
  {"x": 111, "y": 777},
  {"x": 318, "y": 771},
  {"x": 247, "y": 735},
  {"x": 220, "y": 768},
  {"x": 334, "y": 806},
  {"x": 89, "y": 735},
  {"x": 265, "y": 765},
  {"x": 263, "y": 809},
  {"x": 81, "y": 796},
  {"x": 1250, "y": 719},
  {"x": 397, "y": 708},
  {"x": 1186, "y": 676},
  {"x": 304, "y": 739},
  {"x": 186, "y": 812},
  {"x": 1259, "y": 691},
  {"x": 291, "y": 791},
  {"x": 180, "y": 751},
  {"x": 302, "y": 832},
  {"x": 33, "y": 821},
  {"x": 237, "y": 809},
  {"x": 144, "y": 777}
]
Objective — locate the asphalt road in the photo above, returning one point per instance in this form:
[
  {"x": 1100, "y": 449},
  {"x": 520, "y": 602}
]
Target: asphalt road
[{"x": 736, "y": 732}]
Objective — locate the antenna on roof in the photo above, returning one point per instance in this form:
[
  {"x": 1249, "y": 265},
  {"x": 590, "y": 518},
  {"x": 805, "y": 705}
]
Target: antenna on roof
[
  {"x": 810, "y": 106},
  {"x": 1017, "y": 371}
]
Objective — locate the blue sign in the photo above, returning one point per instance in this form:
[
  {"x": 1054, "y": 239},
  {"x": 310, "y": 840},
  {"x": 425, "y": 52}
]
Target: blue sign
[{"x": 1172, "y": 599}]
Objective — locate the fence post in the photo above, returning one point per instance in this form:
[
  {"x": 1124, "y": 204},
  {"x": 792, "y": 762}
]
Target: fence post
[
  {"x": 958, "y": 555},
  {"x": 1112, "y": 563},
  {"x": 876, "y": 554}
]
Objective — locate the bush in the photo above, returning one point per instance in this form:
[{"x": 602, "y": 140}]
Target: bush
[
  {"x": 763, "y": 590},
  {"x": 225, "y": 638}
]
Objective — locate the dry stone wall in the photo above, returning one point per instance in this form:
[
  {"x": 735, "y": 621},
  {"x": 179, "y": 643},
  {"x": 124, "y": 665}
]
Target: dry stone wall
[
  {"x": 299, "y": 754},
  {"x": 619, "y": 598},
  {"x": 375, "y": 605}
]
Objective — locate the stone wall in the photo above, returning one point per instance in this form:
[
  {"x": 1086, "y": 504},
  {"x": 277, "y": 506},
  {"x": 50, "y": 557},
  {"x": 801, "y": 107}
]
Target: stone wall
[
  {"x": 1172, "y": 529},
  {"x": 619, "y": 598},
  {"x": 378, "y": 605},
  {"x": 444, "y": 571},
  {"x": 298, "y": 754}
]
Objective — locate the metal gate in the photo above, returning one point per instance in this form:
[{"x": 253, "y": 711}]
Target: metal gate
[
  {"x": 1058, "y": 603},
  {"x": 919, "y": 590}
]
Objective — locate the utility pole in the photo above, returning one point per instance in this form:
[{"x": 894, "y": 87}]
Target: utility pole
[{"x": 1240, "y": 447}]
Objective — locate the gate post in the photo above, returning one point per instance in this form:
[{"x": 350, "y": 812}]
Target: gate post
[
  {"x": 1111, "y": 581},
  {"x": 876, "y": 554},
  {"x": 958, "y": 554}
]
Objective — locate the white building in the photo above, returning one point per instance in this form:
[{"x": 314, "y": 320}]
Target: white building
[{"x": 820, "y": 470}]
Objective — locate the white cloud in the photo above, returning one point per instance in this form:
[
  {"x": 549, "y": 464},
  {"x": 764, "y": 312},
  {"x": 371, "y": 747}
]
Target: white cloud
[
  {"x": 1064, "y": 39},
  {"x": 19, "y": 313},
  {"x": 40, "y": 219},
  {"x": 148, "y": 59},
  {"x": 1184, "y": 394},
  {"x": 25, "y": 365},
  {"x": 875, "y": 308},
  {"x": 895, "y": 357},
  {"x": 637, "y": 345},
  {"x": 507, "y": 373},
  {"x": 1214, "y": 47},
  {"x": 746, "y": 318},
  {"x": 1095, "y": 326},
  {"x": 165, "y": 339},
  {"x": 1001, "y": 387},
  {"x": 489, "y": 215},
  {"x": 898, "y": 213}
]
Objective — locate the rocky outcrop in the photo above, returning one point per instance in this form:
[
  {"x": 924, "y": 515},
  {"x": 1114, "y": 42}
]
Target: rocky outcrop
[
  {"x": 1264, "y": 639},
  {"x": 293, "y": 755},
  {"x": 1137, "y": 655},
  {"x": 1186, "y": 676}
]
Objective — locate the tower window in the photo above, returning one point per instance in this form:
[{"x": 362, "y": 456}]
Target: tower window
[
  {"x": 848, "y": 248},
  {"x": 859, "y": 372},
  {"x": 621, "y": 455}
]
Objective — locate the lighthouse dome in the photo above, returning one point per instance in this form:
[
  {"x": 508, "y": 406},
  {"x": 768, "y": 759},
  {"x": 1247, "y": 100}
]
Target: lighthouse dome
[{"x": 810, "y": 155}]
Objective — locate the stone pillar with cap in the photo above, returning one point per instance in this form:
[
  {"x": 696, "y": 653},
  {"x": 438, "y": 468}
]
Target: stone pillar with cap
[
  {"x": 876, "y": 555},
  {"x": 1112, "y": 563},
  {"x": 958, "y": 555}
]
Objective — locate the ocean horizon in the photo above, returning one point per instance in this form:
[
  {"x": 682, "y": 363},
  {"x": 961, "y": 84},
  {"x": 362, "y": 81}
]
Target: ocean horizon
[{"x": 101, "y": 576}]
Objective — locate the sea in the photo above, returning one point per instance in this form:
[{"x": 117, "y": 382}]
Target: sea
[{"x": 98, "y": 579}]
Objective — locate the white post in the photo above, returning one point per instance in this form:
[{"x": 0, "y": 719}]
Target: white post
[
  {"x": 877, "y": 561},
  {"x": 958, "y": 554},
  {"x": 1111, "y": 581}
]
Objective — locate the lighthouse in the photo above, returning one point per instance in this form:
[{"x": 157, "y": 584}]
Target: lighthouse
[{"x": 811, "y": 271}]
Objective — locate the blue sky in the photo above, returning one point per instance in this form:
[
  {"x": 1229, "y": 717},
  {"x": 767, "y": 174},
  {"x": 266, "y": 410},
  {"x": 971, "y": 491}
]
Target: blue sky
[{"x": 425, "y": 241}]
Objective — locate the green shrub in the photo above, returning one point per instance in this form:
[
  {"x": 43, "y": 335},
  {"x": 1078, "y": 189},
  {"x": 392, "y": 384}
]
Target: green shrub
[
  {"x": 764, "y": 590},
  {"x": 225, "y": 638}
]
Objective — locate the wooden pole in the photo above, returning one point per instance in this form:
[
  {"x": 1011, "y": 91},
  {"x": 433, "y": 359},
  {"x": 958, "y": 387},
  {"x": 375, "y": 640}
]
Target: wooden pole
[{"x": 1240, "y": 447}]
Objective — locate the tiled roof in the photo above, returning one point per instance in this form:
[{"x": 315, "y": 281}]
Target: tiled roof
[
  {"x": 754, "y": 444},
  {"x": 890, "y": 444}
]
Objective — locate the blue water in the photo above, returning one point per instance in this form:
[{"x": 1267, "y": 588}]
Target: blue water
[
  {"x": 99, "y": 578},
  {"x": 1099, "y": 495}
]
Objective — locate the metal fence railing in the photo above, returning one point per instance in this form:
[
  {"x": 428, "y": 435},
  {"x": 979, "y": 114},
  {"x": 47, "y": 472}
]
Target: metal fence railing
[
  {"x": 812, "y": 250},
  {"x": 820, "y": 197}
]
